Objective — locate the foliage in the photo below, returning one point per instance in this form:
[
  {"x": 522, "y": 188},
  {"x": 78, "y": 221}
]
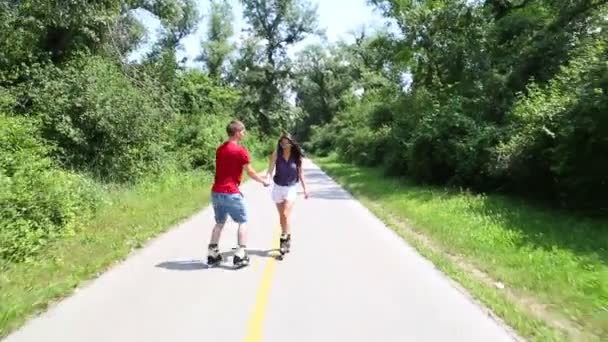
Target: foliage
[
  {"x": 275, "y": 25},
  {"x": 492, "y": 95},
  {"x": 82, "y": 117},
  {"x": 200, "y": 94},
  {"x": 197, "y": 138},
  {"x": 321, "y": 79},
  {"x": 563, "y": 126},
  {"x": 108, "y": 128},
  {"x": 504, "y": 96},
  {"x": 217, "y": 48},
  {"x": 38, "y": 203}
]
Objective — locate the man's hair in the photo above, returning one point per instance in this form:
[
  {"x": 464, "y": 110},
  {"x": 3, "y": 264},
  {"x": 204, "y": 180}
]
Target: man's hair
[{"x": 234, "y": 127}]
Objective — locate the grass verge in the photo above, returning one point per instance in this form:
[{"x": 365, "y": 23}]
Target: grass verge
[
  {"x": 131, "y": 218},
  {"x": 543, "y": 271}
]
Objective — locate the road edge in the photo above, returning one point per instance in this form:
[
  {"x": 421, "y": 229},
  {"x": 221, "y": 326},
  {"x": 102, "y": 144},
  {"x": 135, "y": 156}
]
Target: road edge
[{"x": 417, "y": 249}]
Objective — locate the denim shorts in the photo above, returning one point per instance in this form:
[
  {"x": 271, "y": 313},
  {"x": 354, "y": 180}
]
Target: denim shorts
[{"x": 228, "y": 204}]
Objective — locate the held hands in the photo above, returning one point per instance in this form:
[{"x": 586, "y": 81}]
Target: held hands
[{"x": 266, "y": 181}]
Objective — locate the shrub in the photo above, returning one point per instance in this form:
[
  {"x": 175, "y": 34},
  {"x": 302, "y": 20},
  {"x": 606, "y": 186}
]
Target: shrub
[
  {"x": 197, "y": 139},
  {"x": 557, "y": 134},
  {"x": 99, "y": 120},
  {"x": 320, "y": 141},
  {"x": 38, "y": 202}
]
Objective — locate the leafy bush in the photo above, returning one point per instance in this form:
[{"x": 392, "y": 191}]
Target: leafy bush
[
  {"x": 557, "y": 141},
  {"x": 448, "y": 146},
  {"x": 38, "y": 202},
  {"x": 550, "y": 144},
  {"x": 199, "y": 95},
  {"x": 321, "y": 141},
  {"x": 359, "y": 142},
  {"x": 100, "y": 121},
  {"x": 205, "y": 109},
  {"x": 260, "y": 146},
  {"x": 419, "y": 137},
  {"x": 197, "y": 139},
  {"x": 7, "y": 100}
]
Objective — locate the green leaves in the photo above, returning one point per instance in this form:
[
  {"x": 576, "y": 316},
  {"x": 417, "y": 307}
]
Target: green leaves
[
  {"x": 562, "y": 124},
  {"x": 79, "y": 115},
  {"x": 38, "y": 203},
  {"x": 278, "y": 24},
  {"x": 217, "y": 48},
  {"x": 506, "y": 95}
]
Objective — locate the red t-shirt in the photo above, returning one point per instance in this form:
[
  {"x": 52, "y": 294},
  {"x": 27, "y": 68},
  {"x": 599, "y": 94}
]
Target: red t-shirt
[{"x": 229, "y": 161}]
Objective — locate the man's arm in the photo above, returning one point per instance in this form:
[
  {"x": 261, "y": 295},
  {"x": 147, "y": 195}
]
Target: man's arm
[{"x": 251, "y": 173}]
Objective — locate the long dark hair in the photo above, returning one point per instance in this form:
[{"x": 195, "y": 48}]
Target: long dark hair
[{"x": 296, "y": 150}]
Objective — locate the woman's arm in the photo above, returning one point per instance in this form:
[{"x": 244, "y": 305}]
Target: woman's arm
[
  {"x": 301, "y": 176},
  {"x": 271, "y": 164}
]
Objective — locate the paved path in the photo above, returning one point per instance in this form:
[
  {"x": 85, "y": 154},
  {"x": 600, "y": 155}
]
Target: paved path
[{"x": 348, "y": 278}]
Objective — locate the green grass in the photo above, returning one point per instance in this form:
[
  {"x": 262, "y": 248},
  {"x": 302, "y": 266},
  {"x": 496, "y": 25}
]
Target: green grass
[
  {"x": 131, "y": 218},
  {"x": 554, "y": 264}
]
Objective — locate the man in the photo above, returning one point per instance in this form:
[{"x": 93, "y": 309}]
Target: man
[{"x": 230, "y": 159}]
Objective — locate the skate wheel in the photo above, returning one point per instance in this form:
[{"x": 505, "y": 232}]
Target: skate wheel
[{"x": 242, "y": 263}]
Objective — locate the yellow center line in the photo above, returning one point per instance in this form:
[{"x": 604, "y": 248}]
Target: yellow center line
[{"x": 254, "y": 328}]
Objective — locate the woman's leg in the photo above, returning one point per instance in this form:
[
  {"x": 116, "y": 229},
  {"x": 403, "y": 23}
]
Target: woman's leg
[
  {"x": 285, "y": 218},
  {"x": 280, "y": 210},
  {"x": 284, "y": 208},
  {"x": 284, "y": 211}
]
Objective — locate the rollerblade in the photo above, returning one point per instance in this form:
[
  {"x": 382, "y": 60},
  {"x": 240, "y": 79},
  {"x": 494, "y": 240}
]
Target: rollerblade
[
  {"x": 284, "y": 245},
  {"x": 240, "y": 259},
  {"x": 214, "y": 257}
]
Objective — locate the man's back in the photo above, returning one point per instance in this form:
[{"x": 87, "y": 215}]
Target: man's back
[{"x": 229, "y": 161}]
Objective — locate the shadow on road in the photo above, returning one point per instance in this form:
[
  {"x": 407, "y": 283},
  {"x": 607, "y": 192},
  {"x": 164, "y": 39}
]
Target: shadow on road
[
  {"x": 185, "y": 265},
  {"x": 196, "y": 265},
  {"x": 330, "y": 194},
  {"x": 324, "y": 187}
]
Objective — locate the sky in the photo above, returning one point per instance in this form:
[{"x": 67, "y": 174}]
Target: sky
[{"x": 336, "y": 17}]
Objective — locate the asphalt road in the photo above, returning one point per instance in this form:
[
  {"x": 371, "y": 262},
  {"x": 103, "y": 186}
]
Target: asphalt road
[{"x": 348, "y": 278}]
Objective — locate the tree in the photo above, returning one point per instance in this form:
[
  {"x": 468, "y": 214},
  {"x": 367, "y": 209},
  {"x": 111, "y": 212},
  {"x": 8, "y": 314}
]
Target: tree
[
  {"x": 278, "y": 24},
  {"x": 217, "y": 48},
  {"x": 178, "y": 18},
  {"x": 321, "y": 79},
  {"x": 505, "y": 94}
]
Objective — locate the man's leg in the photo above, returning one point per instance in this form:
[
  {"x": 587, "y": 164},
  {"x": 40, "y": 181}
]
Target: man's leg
[
  {"x": 242, "y": 234},
  {"x": 238, "y": 213},
  {"x": 213, "y": 254},
  {"x": 240, "y": 255},
  {"x": 216, "y": 233},
  {"x": 220, "y": 214}
]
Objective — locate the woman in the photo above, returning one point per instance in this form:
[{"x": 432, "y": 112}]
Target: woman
[{"x": 287, "y": 160}]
